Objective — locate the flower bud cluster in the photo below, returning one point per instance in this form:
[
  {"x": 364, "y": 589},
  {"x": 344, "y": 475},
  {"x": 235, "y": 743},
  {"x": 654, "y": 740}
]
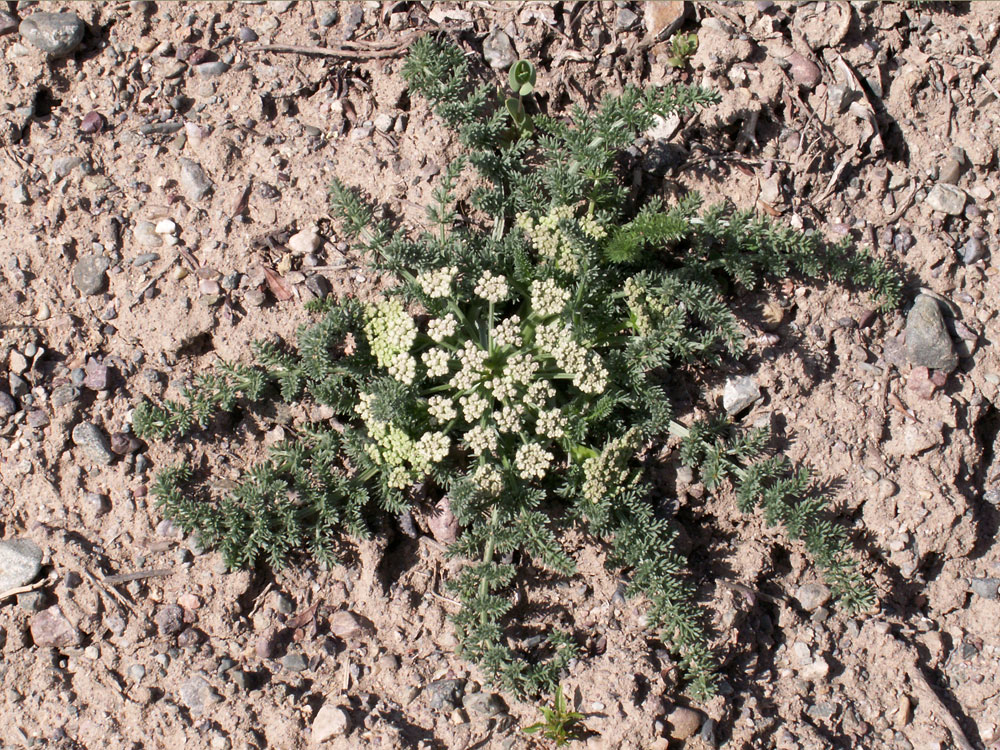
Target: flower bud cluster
[
  {"x": 472, "y": 360},
  {"x": 548, "y": 239},
  {"x": 437, "y": 283},
  {"x": 551, "y": 424},
  {"x": 532, "y": 461},
  {"x": 436, "y": 361},
  {"x": 441, "y": 328},
  {"x": 547, "y": 298},
  {"x": 473, "y": 406},
  {"x": 508, "y": 419},
  {"x": 492, "y": 288},
  {"x": 390, "y": 331},
  {"x": 481, "y": 440},
  {"x": 508, "y": 333},
  {"x": 587, "y": 369},
  {"x": 608, "y": 471},
  {"x": 488, "y": 479},
  {"x": 441, "y": 408}
]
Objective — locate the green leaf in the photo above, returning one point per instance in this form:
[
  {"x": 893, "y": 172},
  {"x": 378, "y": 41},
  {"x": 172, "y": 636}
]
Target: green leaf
[{"x": 522, "y": 77}]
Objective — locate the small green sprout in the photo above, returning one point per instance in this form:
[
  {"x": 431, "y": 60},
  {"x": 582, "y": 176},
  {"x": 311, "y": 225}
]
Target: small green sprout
[
  {"x": 683, "y": 47},
  {"x": 522, "y": 83},
  {"x": 560, "y": 725}
]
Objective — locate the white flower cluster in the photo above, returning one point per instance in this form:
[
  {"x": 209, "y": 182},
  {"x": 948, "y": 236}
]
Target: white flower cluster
[
  {"x": 547, "y": 298},
  {"x": 390, "y": 330},
  {"x": 473, "y": 406},
  {"x": 520, "y": 368},
  {"x": 508, "y": 333},
  {"x": 539, "y": 393},
  {"x": 592, "y": 228},
  {"x": 488, "y": 479},
  {"x": 403, "y": 368},
  {"x": 548, "y": 239},
  {"x": 472, "y": 359},
  {"x": 434, "y": 446},
  {"x": 492, "y": 288},
  {"x": 481, "y": 440},
  {"x": 551, "y": 424},
  {"x": 441, "y": 328},
  {"x": 364, "y": 408},
  {"x": 441, "y": 409},
  {"x": 437, "y": 283},
  {"x": 608, "y": 470},
  {"x": 502, "y": 388},
  {"x": 587, "y": 369},
  {"x": 436, "y": 361},
  {"x": 508, "y": 419},
  {"x": 532, "y": 461}
]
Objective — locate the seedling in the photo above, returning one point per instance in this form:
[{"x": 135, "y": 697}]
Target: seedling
[{"x": 559, "y": 724}]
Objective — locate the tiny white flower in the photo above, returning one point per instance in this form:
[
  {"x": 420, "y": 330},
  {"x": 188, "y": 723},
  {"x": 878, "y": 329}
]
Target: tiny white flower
[
  {"x": 492, "y": 288},
  {"x": 433, "y": 446},
  {"x": 532, "y": 461},
  {"x": 441, "y": 328},
  {"x": 539, "y": 393},
  {"x": 436, "y": 361},
  {"x": 473, "y": 406},
  {"x": 441, "y": 409},
  {"x": 551, "y": 424},
  {"x": 520, "y": 368},
  {"x": 437, "y": 283},
  {"x": 508, "y": 333},
  {"x": 403, "y": 368},
  {"x": 508, "y": 419},
  {"x": 547, "y": 298},
  {"x": 481, "y": 440}
]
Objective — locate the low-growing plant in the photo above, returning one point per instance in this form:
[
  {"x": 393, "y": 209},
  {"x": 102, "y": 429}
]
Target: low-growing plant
[
  {"x": 559, "y": 724},
  {"x": 682, "y": 49},
  {"x": 517, "y": 368}
]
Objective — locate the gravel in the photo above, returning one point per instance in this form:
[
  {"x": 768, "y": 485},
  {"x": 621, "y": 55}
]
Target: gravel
[
  {"x": 56, "y": 34},
  {"x": 812, "y": 596},
  {"x": 927, "y": 341},
  {"x": 51, "y": 629},
  {"x": 445, "y": 694},
  {"x": 739, "y": 394},
  {"x": 90, "y": 274},
  {"x": 93, "y": 442},
  {"x": 193, "y": 180},
  {"x": 330, "y": 721},
  {"x": 20, "y": 562},
  {"x": 498, "y": 50},
  {"x": 947, "y": 199}
]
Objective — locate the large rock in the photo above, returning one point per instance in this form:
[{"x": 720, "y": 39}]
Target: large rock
[
  {"x": 89, "y": 274},
  {"x": 330, "y": 721},
  {"x": 93, "y": 442},
  {"x": 739, "y": 394},
  {"x": 927, "y": 341},
  {"x": 20, "y": 561},
  {"x": 56, "y": 34}
]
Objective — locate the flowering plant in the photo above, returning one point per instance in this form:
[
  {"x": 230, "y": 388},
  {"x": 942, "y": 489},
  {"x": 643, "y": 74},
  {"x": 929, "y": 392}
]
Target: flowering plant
[{"x": 516, "y": 372}]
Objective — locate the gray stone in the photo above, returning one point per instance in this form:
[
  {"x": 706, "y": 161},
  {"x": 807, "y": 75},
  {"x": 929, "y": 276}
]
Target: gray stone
[
  {"x": 804, "y": 71},
  {"x": 486, "y": 705},
  {"x": 93, "y": 442},
  {"x": 951, "y": 170},
  {"x": 89, "y": 274},
  {"x": 349, "y": 626},
  {"x": 294, "y": 662},
  {"x": 56, "y": 34},
  {"x": 947, "y": 199},
  {"x": 19, "y": 195},
  {"x": 329, "y": 18},
  {"x": 985, "y": 587},
  {"x": 20, "y": 561},
  {"x": 973, "y": 251},
  {"x": 246, "y": 34},
  {"x": 812, "y": 596},
  {"x": 625, "y": 19},
  {"x": 498, "y": 50},
  {"x": 927, "y": 341},
  {"x": 63, "y": 166},
  {"x": 445, "y": 694},
  {"x": 739, "y": 394},
  {"x": 51, "y": 629},
  {"x": 8, "y": 405},
  {"x": 353, "y": 18},
  {"x": 7, "y": 22},
  {"x": 18, "y": 385},
  {"x": 383, "y": 122},
  {"x": 194, "y": 693},
  {"x": 211, "y": 69},
  {"x": 193, "y": 180},
  {"x": 330, "y": 721}
]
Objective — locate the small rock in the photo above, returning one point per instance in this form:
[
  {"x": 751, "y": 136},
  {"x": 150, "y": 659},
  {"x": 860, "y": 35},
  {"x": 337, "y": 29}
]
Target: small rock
[
  {"x": 18, "y": 385},
  {"x": 255, "y": 297},
  {"x": 56, "y": 34},
  {"x": 927, "y": 341},
  {"x": 17, "y": 363},
  {"x": 7, "y": 22},
  {"x": 739, "y": 394},
  {"x": 37, "y": 419},
  {"x": 947, "y": 199},
  {"x": 211, "y": 69},
  {"x": 92, "y": 441},
  {"x": 89, "y": 274},
  {"x": 169, "y": 619},
  {"x": 193, "y": 180},
  {"x": 812, "y": 596},
  {"x": 804, "y": 71},
  {"x": 63, "y": 166},
  {"x": 194, "y": 693},
  {"x": 816, "y": 671},
  {"x": 770, "y": 191},
  {"x": 486, "y": 705},
  {"x": 246, "y": 34},
  {"x": 684, "y": 723},
  {"x": 951, "y": 170},
  {"x": 442, "y": 522},
  {"x": 93, "y": 122},
  {"x": 383, "y": 122},
  {"x": 267, "y": 643},
  {"x": 625, "y": 19},
  {"x": 663, "y": 17},
  {"x": 353, "y": 17},
  {"x": 294, "y": 662},
  {"x": 319, "y": 285},
  {"x": 885, "y": 489},
  {"x": 20, "y": 561},
  {"x": 51, "y": 629},
  {"x": 445, "y": 694},
  {"x": 988, "y": 588},
  {"x": 165, "y": 226},
  {"x": 97, "y": 377},
  {"x": 8, "y": 405},
  {"x": 19, "y": 195},
  {"x": 498, "y": 50},
  {"x": 330, "y": 721},
  {"x": 306, "y": 241},
  {"x": 329, "y": 18},
  {"x": 145, "y": 234},
  {"x": 349, "y": 626},
  {"x": 973, "y": 251}
]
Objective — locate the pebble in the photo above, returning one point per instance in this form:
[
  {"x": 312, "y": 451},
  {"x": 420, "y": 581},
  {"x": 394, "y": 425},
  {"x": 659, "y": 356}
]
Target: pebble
[
  {"x": 145, "y": 234},
  {"x": 927, "y": 341},
  {"x": 330, "y": 721},
  {"x": 946, "y": 199},
  {"x": 498, "y": 50},
  {"x": 985, "y": 587},
  {"x": 20, "y": 562},
  {"x": 56, "y": 34},
  {"x": 92, "y": 122},
  {"x": 8, "y": 405},
  {"x": 169, "y": 619},
  {"x": 194, "y": 692},
  {"x": 255, "y": 297},
  {"x": 18, "y": 385},
  {"x": 96, "y": 376},
  {"x": 209, "y": 286},
  {"x": 444, "y": 694},
  {"x": 246, "y": 34},
  {"x": 353, "y": 18},
  {"x": 329, "y": 18},
  {"x": 19, "y": 195},
  {"x": 145, "y": 259},
  {"x": 89, "y": 274},
  {"x": 442, "y": 522},
  {"x": 739, "y": 394},
  {"x": 94, "y": 444},
  {"x": 383, "y": 122},
  {"x": 63, "y": 166},
  {"x": 973, "y": 251},
  {"x": 193, "y": 180},
  {"x": 17, "y": 363},
  {"x": 804, "y": 71},
  {"x": 51, "y": 629},
  {"x": 294, "y": 662},
  {"x": 349, "y": 626},
  {"x": 625, "y": 19},
  {"x": 211, "y": 69},
  {"x": 812, "y": 596},
  {"x": 267, "y": 642},
  {"x": 950, "y": 172},
  {"x": 487, "y": 705},
  {"x": 306, "y": 241},
  {"x": 136, "y": 672},
  {"x": 684, "y": 722},
  {"x": 160, "y": 128},
  {"x": 663, "y": 18},
  {"x": 886, "y": 488},
  {"x": 37, "y": 419},
  {"x": 7, "y": 22}
]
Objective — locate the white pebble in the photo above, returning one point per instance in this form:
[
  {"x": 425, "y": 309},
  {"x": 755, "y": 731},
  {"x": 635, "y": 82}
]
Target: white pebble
[{"x": 165, "y": 226}]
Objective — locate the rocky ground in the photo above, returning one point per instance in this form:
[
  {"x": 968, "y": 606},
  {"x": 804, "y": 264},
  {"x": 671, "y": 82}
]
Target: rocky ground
[{"x": 162, "y": 203}]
